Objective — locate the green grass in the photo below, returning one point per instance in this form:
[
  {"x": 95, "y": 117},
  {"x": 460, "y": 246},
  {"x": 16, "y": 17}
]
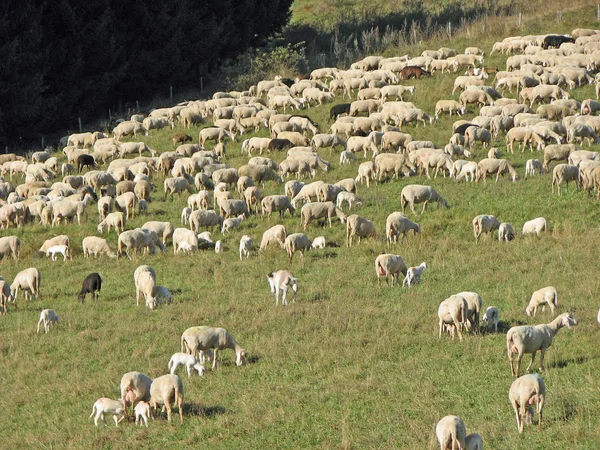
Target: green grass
[{"x": 350, "y": 364}]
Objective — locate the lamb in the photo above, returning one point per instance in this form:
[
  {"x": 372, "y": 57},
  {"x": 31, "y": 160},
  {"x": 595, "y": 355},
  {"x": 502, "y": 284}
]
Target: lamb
[
  {"x": 142, "y": 411},
  {"x": 452, "y": 313},
  {"x": 535, "y": 226},
  {"x": 506, "y": 232},
  {"x": 163, "y": 391},
  {"x": 29, "y": 281},
  {"x": 491, "y": 318},
  {"x": 202, "y": 338},
  {"x": 319, "y": 242},
  {"x": 219, "y": 247},
  {"x": 275, "y": 234},
  {"x": 245, "y": 246},
  {"x": 348, "y": 197},
  {"x": 414, "y": 193},
  {"x": 346, "y": 157},
  {"x": 398, "y": 224},
  {"x": 566, "y": 173},
  {"x": 360, "y": 227},
  {"x": 181, "y": 235},
  {"x": 135, "y": 387},
  {"x": 541, "y": 297},
  {"x": 104, "y": 406},
  {"x": 49, "y": 318},
  {"x": 532, "y": 166},
  {"x": 93, "y": 245},
  {"x": 296, "y": 242},
  {"x": 10, "y": 245},
  {"x": 413, "y": 274},
  {"x": 451, "y": 433},
  {"x": 282, "y": 280},
  {"x": 115, "y": 219},
  {"x": 144, "y": 278},
  {"x": 162, "y": 295},
  {"x": 525, "y": 391},
  {"x": 189, "y": 361},
  {"x": 387, "y": 265},
  {"x": 62, "y": 249},
  {"x": 530, "y": 339},
  {"x": 92, "y": 284},
  {"x": 484, "y": 224}
]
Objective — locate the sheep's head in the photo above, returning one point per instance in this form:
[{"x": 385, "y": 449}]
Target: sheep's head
[
  {"x": 151, "y": 303},
  {"x": 241, "y": 358},
  {"x": 271, "y": 279},
  {"x": 199, "y": 368},
  {"x": 568, "y": 320},
  {"x": 528, "y": 311}
]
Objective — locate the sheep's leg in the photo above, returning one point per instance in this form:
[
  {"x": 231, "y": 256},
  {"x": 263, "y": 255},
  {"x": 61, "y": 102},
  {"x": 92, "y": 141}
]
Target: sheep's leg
[
  {"x": 116, "y": 421},
  {"x": 542, "y": 353},
  {"x": 532, "y": 359},
  {"x": 424, "y": 206},
  {"x": 283, "y": 298},
  {"x": 214, "y": 364}
]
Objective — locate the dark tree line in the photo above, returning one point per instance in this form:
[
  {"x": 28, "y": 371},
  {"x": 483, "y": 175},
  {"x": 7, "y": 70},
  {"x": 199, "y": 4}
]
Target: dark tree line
[{"x": 63, "y": 59}]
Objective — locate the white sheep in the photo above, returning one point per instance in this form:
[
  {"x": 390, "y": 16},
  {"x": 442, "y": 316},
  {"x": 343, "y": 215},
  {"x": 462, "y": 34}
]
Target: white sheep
[
  {"x": 144, "y": 278},
  {"x": 219, "y": 247},
  {"x": 245, "y": 246},
  {"x": 185, "y": 215},
  {"x": 491, "y": 318},
  {"x": 484, "y": 223},
  {"x": 162, "y": 295},
  {"x": 104, "y": 406},
  {"x": 535, "y": 226},
  {"x": 29, "y": 281},
  {"x": 282, "y": 280},
  {"x": 506, "y": 232},
  {"x": 525, "y": 391},
  {"x": 541, "y": 297},
  {"x": 189, "y": 361},
  {"x": 349, "y": 197},
  {"x": 319, "y": 242},
  {"x": 196, "y": 340},
  {"x": 413, "y": 274},
  {"x": 346, "y": 157},
  {"x": 231, "y": 223},
  {"x": 165, "y": 390},
  {"x": 49, "y": 318},
  {"x": 142, "y": 412},
  {"x": 530, "y": 339},
  {"x": 451, "y": 433},
  {"x": 62, "y": 249},
  {"x": 186, "y": 247},
  {"x": 135, "y": 387},
  {"x": 452, "y": 313},
  {"x": 532, "y": 166},
  {"x": 143, "y": 206}
]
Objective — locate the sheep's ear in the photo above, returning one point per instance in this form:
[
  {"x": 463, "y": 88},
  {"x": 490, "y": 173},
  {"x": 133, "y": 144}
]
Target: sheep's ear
[{"x": 270, "y": 275}]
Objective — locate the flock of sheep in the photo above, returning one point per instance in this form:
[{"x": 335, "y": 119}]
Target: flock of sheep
[{"x": 543, "y": 66}]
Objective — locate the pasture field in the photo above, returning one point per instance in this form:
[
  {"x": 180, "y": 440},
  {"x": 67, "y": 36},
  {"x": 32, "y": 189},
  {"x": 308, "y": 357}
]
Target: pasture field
[{"x": 350, "y": 364}]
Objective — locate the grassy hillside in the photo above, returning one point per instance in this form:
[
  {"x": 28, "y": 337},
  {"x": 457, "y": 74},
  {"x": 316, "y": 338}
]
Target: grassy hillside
[{"x": 350, "y": 364}]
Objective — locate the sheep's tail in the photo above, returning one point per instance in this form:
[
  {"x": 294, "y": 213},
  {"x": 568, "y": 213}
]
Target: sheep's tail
[
  {"x": 183, "y": 344},
  {"x": 380, "y": 269},
  {"x": 93, "y": 411}
]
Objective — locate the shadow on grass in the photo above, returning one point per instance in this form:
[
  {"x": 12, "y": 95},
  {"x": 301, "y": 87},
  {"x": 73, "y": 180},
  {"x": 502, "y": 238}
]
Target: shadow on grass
[
  {"x": 322, "y": 255},
  {"x": 254, "y": 359},
  {"x": 191, "y": 409},
  {"x": 319, "y": 297},
  {"x": 565, "y": 362}
]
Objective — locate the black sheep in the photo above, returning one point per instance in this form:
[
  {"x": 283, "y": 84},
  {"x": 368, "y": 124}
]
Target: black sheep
[{"x": 91, "y": 285}]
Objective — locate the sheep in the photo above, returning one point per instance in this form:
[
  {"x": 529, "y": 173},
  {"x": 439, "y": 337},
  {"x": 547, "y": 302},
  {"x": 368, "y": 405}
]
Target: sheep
[
  {"x": 473, "y": 442},
  {"x": 245, "y": 246},
  {"x": 413, "y": 274},
  {"x": 450, "y": 106},
  {"x": 274, "y": 203},
  {"x": 165, "y": 390},
  {"x": 525, "y": 391},
  {"x": 203, "y": 338},
  {"x": 398, "y": 224},
  {"x": 189, "y": 361},
  {"x": 366, "y": 172},
  {"x": 484, "y": 224},
  {"x": 387, "y": 265},
  {"x": 5, "y": 296},
  {"x": 135, "y": 387},
  {"x": 451, "y": 433},
  {"x": 232, "y": 223},
  {"x": 62, "y": 249},
  {"x": 29, "y": 281},
  {"x": 532, "y": 166},
  {"x": 92, "y": 284},
  {"x": 10, "y": 245},
  {"x": 474, "y": 304},
  {"x": 144, "y": 278},
  {"x": 282, "y": 280},
  {"x": 162, "y": 229},
  {"x": 491, "y": 318},
  {"x": 506, "y": 232},
  {"x": 115, "y": 219},
  {"x": 276, "y": 234},
  {"x": 92, "y": 245},
  {"x": 142, "y": 412},
  {"x": 535, "y": 226},
  {"x": 49, "y": 318},
  {"x": 319, "y": 242},
  {"x": 566, "y": 173},
  {"x": 348, "y": 197},
  {"x": 181, "y": 235},
  {"x": 319, "y": 210},
  {"x": 541, "y": 297},
  {"x": 185, "y": 215},
  {"x": 360, "y": 227},
  {"x": 414, "y": 193},
  {"x": 219, "y": 247},
  {"x": 296, "y": 242},
  {"x": 452, "y": 313},
  {"x": 530, "y": 339},
  {"x": 104, "y": 406},
  {"x": 497, "y": 166},
  {"x": 135, "y": 240},
  {"x": 177, "y": 185}
]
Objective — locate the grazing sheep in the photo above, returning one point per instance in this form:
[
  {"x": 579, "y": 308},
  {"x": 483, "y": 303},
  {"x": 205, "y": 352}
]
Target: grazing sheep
[
  {"x": 398, "y": 224},
  {"x": 413, "y": 274},
  {"x": 62, "y": 249},
  {"x": 29, "y": 281},
  {"x": 232, "y": 223},
  {"x": 296, "y": 242},
  {"x": 484, "y": 224},
  {"x": 135, "y": 387},
  {"x": 346, "y": 157},
  {"x": 203, "y": 338},
  {"x": 144, "y": 278},
  {"x": 162, "y": 229},
  {"x": 525, "y": 391},
  {"x": 49, "y": 318},
  {"x": 115, "y": 219},
  {"x": 282, "y": 280},
  {"x": 473, "y": 442},
  {"x": 506, "y": 232},
  {"x": 530, "y": 339},
  {"x": 319, "y": 242},
  {"x": 245, "y": 246},
  {"x": 142, "y": 412},
  {"x": 497, "y": 166},
  {"x": 387, "y": 265},
  {"x": 92, "y": 245},
  {"x": 219, "y": 247},
  {"x": 275, "y": 234},
  {"x": 277, "y": 203},
  {"x": 532, "y": 166},
  {"x": 5, "y": 296},
  {"x": 348, "y": 197},
  {"x": 452, "y": 313},
  {"x": 104, "y": 406},
  {"x": 451, "y": 433},
  {"x": 541, "y": 297},
  {"x": 535, "y": 226},
  {"x": 566, "y": 173},
  {"x": 415, "y": 193},
  {"x": 320, "y": 210},
  {"x": 166, "y": 390},
  {"x": 491, "y": 318},
  {"x": 189, "y": 361},
  {"x": 10, "y": 245},
  {"x": 92, "y": 284},
  {"x": 162, "y": 295},
  {"x": 474, "y": 305},
  {"x": 360, "y": 227}
]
